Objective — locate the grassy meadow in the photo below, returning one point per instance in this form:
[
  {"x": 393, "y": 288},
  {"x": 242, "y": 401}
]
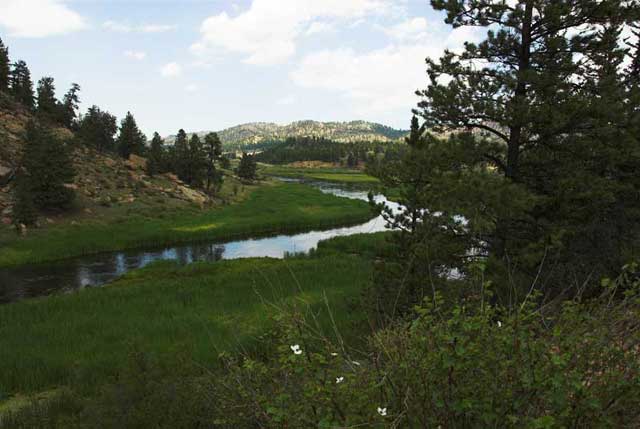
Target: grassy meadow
[
  {"x": 272, "y": 207},
  {"x": 338, "y": 175},
  {"x": 172, "y": 313}
]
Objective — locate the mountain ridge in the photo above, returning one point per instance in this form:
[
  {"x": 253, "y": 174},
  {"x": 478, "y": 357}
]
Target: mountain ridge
[{"x": 254, "y": 133}]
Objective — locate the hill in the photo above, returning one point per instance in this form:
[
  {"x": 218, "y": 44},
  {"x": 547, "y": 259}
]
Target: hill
[
  {"x": 256, "y": 133},
  {"x": 104, "y": 183}
]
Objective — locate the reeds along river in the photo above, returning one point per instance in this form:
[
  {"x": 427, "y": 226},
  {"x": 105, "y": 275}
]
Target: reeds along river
[{"x": 97, "y": 270}]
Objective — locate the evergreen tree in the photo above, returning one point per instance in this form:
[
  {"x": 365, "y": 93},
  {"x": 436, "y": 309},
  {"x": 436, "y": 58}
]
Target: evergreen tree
[
  {"x": 24, "y": 209},
  {"x": 97, "y": 129},
  {"x": 247, "y": 167},
  {"x": 197, "y": 162},
  {"x": 45, "y": 169},
  {"x": 48, "y": 109},
  {"x": 180, "y": 155},
  {"x": 543, "y": 175},
  {"x": 156, "y": 158},
  {"x": 214, "y": 154},
  {"x": 69, "y": 107},
  {"x": 5, "y": 68},
  {"x": 130, "y": 140},
  {"x": 21, "y": 85}
]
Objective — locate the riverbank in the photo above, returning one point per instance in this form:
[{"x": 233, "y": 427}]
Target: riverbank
[
  {"x": 271, "y": 207},
  {"x": 174, "y": 313}
]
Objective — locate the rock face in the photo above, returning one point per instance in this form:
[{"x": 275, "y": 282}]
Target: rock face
[{"x": 192, "y": 195}]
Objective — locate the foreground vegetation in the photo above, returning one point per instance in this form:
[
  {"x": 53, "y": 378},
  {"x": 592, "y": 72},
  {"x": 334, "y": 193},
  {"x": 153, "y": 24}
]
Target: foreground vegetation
[
  {"x": 169, "y": 312},
  {"x": 170, "y": 346},
  {"x": 273, "y": 207}
]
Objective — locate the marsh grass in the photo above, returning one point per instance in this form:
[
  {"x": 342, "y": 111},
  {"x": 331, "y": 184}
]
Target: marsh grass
[
  {"x": 170, "y": 312},
  {"x": 268, "y": 209}
]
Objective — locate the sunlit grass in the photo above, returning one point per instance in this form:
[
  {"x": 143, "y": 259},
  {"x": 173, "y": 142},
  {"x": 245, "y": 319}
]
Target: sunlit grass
[
  {"x": 338, "y": 175},
  {"x": 268, "y": 209}
]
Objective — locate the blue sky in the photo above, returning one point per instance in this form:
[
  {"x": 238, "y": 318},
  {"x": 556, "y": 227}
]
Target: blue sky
[{"x": 201, "y": 65}]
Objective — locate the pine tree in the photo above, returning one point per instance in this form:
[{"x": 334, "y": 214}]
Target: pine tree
[
  {"x": 21, "y": 85},
  {"x": 180, "y": 155},
  {"x": 45, "y": 169},
  {"x": 156, "y": 158},
  {"x": 197, "y": 162},
  {"x": 97, "y": 129},
  {"x": 247, "y": 167},
  {"x": 24, "y": 209},
  {"x": 48, "y": 109},
  {"x": 130, "y": 140},
  {"x": 5, "y": 68},
  {"x": 69, "y": 107},
  {"x": 214, "y": 154},
  {"x": 523, "y": 93},
  {"x": 543, "y": 174}
]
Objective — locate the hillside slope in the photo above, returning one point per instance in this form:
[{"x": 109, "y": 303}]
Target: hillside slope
[
  {"x": 104, "y": 183},
  {"x": 258, "y": 132}
]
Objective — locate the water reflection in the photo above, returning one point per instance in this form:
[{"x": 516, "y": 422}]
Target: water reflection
[{"x": 96, "y": 270}]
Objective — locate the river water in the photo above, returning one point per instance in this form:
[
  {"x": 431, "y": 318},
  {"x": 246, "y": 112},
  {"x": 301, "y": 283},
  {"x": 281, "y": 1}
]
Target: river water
[{"x": 99, "y": 269}]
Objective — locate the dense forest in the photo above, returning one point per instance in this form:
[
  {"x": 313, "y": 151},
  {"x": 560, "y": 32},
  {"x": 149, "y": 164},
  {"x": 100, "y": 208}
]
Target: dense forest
[{"x": 296, "y": 149}]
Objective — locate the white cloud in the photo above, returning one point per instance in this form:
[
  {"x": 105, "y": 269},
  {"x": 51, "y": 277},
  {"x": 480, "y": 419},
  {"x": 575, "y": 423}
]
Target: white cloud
[
  {"x": 383, "y": 81},
  {"x": 121, "y": 27},
  {"x": 171, "y": 70},
  {"x": 374, "y": 82},
  {"x": 191, "y": 88},
  {"x": 457, "y": 37},
  {"x": 135, "y": 55},
  {"x": 267, "y": 32},
  {"x": 320, "y": 28},
  {"x": 156, "y": 28},
  {"x": 411, "y": 29},
  {"x": 117, "y": 27},
  {"x": 39, "y": 18}
]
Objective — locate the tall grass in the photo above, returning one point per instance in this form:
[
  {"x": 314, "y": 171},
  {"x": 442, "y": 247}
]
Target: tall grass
[
  {"x": 338, "y": 175},
  {"x": 270, "y": 208},
  {"x": 169, "y": 312}
]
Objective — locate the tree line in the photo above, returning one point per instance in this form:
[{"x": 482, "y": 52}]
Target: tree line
[{"x": 350, "y": 154}]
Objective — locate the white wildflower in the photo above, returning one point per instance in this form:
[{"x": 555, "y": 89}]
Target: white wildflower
[
  {"x": 334, "y": 354},
  {"x": 339, "y": 380},
  {"x": 296, "y": 349},
  {"x": 382, "y": 411},
  {"x": 499, "y": 324}
]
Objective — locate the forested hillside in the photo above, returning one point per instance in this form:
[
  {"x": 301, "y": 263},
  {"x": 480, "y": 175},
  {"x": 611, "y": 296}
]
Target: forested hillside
[{"x": 249, "y": 135}]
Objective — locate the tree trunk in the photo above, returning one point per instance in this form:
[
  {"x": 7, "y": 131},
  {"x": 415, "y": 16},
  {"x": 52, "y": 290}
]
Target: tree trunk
[{"x": 515, "y": 129}]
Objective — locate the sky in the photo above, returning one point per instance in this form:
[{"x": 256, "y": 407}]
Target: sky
[{"x": 212, "y": 64}]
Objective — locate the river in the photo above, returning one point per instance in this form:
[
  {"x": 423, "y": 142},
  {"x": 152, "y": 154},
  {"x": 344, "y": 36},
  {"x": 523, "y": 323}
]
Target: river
[{"x": 99, "y": 269}]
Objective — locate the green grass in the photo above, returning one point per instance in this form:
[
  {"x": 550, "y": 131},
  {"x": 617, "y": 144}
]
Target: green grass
[
  {"x": 369, "y": 245},
  {"x": 339, "y": 175},
  {"x": 168, "y": 312},
  {"x": 268, "y": 209}
]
